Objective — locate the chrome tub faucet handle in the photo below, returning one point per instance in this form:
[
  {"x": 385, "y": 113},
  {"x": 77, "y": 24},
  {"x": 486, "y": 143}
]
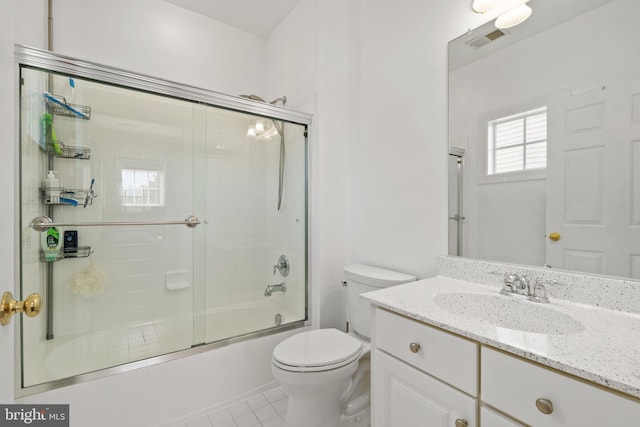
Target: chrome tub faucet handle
[{"x": 282, "y": 266}]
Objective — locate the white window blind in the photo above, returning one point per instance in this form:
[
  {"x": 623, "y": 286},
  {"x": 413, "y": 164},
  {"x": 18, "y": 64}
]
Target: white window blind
[
  {"x": 517, "y": 143},
  {"x": 142, "y": 187}
]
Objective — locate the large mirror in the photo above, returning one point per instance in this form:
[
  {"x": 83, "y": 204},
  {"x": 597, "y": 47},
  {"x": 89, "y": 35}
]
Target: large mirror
[{"x": 544, "y": 137}]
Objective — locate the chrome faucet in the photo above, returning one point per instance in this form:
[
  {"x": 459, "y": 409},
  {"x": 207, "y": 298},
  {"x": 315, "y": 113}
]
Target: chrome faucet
[
  {"x": 517, "y": 284},
  {"x": 520, "y": 286},
  {"x": 280, "y": 287}
]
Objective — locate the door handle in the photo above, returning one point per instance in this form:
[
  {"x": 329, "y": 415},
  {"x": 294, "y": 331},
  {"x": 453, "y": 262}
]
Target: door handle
[
  {"x": 9, "y": 307},
  {"x": 554, "y": 236}
]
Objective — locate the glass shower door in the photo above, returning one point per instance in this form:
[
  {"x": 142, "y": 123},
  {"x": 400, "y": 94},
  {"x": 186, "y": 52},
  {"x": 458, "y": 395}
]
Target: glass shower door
[
  {"x": 115, "y": 170},
  {"x": 93, "y": 155},
  {"x": 256, "y": 232}
]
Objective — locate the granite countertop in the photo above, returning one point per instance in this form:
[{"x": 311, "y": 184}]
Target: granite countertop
[{"x": 597, "y": 344}]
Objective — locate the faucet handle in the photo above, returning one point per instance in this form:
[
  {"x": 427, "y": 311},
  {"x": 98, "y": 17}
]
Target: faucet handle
[
  {"x": 551, "y": 282},
  {"x": 282, "y": 266},
  {"x": 540, "y": 293},
  {"x": 539, "y": 289}
]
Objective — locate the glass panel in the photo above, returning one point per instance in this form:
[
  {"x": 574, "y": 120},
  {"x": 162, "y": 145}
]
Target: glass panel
[
  {"x": 115, "y": 294},
  {"x": 247, "y": 234}
]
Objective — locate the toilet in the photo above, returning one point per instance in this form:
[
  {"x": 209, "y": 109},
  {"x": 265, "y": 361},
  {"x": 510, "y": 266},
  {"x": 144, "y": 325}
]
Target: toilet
[{"x": 325, "y": 372}]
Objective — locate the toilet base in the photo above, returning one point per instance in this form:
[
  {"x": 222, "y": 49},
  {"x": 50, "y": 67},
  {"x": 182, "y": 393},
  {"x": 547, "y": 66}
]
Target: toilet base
[{"x": 314, "y": 397}]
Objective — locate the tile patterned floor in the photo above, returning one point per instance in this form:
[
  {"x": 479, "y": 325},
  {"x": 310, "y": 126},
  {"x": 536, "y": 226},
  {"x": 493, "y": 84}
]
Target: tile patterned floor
[{"x": 263, "y": 410}]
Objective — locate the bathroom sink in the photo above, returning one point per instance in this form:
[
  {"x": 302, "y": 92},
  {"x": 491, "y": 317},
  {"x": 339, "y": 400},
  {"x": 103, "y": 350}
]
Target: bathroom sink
[{"x": 510, "y": 313}]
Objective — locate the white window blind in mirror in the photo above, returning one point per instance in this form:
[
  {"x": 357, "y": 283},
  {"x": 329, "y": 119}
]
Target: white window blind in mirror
[{"x": 517, "y": 143}]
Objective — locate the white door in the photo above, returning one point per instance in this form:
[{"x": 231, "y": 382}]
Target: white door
[
  {"x": 406, "y": 397},
  {"x": 593, "y": 181}
]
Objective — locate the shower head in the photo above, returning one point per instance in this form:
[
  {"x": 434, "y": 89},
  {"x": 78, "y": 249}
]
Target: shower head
[{"x": 282, "y": 99}]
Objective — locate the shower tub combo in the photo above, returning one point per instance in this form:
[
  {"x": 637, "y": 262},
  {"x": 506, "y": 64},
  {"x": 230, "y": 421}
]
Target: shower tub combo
[{"x": 180, "y": 216}]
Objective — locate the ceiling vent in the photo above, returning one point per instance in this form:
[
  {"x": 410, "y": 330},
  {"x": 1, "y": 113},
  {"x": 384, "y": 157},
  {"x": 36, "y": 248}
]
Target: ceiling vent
[{"x": 485, "y": 39}]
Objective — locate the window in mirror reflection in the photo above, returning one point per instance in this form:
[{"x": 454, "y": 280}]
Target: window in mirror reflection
[{"x": 517, "y": 143}]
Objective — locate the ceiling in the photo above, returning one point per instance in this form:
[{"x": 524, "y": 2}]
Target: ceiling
[{"x": 259, "y": 17}]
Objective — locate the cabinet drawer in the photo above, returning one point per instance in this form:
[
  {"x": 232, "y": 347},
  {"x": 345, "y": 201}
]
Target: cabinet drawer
[
  {"x": 514, "y": 386},
  {"x": 491, "y": 418},
  {"x": 450, "y": 358}
]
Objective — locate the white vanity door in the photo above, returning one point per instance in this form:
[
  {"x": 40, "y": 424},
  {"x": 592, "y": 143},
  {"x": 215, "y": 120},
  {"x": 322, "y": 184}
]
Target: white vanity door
[{"x": 407, "y": 397}]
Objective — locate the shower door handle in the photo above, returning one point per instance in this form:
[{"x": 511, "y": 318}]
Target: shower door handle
[{"x": 42, "y": 223}]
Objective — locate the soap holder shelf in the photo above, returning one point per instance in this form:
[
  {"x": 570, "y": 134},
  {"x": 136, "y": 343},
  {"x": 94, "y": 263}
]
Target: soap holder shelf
[
  {"x": 59, "y": 106},
  {"x": 79, "y": 252},
  {"x": 79, "y": 196},
  {"x": 59, "y": 149}
]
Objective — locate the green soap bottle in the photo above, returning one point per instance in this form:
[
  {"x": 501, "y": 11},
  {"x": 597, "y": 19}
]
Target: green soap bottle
[{"x": 51, "y": 244}]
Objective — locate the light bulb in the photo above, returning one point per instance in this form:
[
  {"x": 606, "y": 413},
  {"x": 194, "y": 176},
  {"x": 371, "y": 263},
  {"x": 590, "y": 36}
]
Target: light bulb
[
  {"x": 513, "y": 17},
  {"x": 259, "y": 127},
  {"x": 251, "y": 131},
  {"x": 483, "y": 6}
]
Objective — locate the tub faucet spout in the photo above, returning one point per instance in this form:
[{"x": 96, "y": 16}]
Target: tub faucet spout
[{"x": 280, "y": 287}]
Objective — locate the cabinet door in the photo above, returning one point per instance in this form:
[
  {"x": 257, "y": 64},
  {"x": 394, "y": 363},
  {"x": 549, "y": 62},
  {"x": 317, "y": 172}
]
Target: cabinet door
[{"x": 404, "y": 396}]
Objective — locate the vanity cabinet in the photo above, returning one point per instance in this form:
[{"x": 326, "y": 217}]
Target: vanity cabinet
[{"x": 422, "y": 376}]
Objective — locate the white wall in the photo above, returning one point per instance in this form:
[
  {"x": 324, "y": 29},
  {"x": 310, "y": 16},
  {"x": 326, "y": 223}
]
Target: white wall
[
  {"x": 399, "y": 162},
  {"x": 163, "y": 40},
  {"x": 380, "y": 159}
]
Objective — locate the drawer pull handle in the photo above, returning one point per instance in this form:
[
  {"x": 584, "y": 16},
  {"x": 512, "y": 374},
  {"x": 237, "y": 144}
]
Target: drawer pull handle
[
  {"x": 544, "y": 405},
  {"x": 461, "y": 423},
  {"x": 414, "y": 347}
]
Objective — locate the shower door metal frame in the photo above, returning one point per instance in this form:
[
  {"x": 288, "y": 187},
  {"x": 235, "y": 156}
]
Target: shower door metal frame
[
  {"x": 51, "y": 62},
  {"x": 458, "y": 216}
]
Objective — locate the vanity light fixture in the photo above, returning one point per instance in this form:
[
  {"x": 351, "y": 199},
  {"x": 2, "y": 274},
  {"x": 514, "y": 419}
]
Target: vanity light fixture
[
  {"x": 509, "y": 12},
  {"x": 483, "y": 6},
  {"x": 513, "y": 17}
]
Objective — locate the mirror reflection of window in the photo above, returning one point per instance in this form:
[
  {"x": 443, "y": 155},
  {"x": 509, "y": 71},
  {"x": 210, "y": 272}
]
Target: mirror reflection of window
[
  {"x": 517, "y": 143},
  {"x": 142, "y": 187}
]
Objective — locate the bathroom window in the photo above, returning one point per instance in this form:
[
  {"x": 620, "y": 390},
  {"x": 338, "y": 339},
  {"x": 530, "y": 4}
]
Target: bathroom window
[
  {"x": 142, "y": 187},
  {"x": 517, "y": 143}
]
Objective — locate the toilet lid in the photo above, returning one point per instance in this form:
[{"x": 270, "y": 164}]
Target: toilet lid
[{"x": 320, "y": 349}]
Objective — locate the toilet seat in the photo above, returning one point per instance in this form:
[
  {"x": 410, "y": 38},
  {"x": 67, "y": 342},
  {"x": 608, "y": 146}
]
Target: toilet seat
[{"x": 317, "y": 350}]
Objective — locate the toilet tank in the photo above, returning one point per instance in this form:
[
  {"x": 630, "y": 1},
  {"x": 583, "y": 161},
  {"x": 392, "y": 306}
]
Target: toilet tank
[{"x": 362, "y": 278}]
